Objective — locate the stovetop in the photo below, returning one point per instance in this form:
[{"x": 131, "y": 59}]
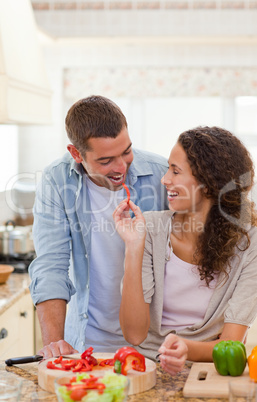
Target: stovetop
[{"x": 20, "y": 262}]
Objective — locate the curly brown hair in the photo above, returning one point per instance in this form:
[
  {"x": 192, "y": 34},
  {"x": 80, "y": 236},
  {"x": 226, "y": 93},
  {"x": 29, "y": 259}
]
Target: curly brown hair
[{"x": 223, "y": 165}]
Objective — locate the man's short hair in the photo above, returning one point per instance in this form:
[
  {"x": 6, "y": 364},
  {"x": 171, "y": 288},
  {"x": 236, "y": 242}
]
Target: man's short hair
[{"x": 93, "y": 117}]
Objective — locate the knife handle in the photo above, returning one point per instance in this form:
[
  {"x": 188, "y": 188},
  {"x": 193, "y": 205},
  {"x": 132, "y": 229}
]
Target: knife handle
[{"x": 25, "y": 359}]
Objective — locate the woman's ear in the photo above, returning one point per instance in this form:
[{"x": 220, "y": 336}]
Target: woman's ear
[
  {"x": 75, "y": 153},
  {"x": 205, "y": 189}
]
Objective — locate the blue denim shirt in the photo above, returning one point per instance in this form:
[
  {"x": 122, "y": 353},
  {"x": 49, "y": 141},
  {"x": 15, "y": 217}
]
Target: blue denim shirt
[{"x": 61, "y": 232}]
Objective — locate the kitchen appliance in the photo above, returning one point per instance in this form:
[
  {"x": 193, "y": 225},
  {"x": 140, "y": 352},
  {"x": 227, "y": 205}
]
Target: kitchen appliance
[
  {"x": 15, "y": 240},
  {"x": 20, "y": 262},
  {"x": 21, "y": 200},
  {"x": 16, "y": 246}
]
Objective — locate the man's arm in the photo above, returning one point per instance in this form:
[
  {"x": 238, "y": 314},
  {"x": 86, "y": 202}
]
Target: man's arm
[{"x": 51, "y": 315}]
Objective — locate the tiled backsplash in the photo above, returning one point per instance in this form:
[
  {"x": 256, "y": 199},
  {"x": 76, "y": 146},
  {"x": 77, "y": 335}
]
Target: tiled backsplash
[
  {"x": 146, "y": 82},
  {"x": 143, "y": 4}
]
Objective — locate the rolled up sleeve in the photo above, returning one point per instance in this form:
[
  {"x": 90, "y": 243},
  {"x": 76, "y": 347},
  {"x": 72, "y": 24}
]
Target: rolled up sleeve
[{"x": 49, "y": 272}]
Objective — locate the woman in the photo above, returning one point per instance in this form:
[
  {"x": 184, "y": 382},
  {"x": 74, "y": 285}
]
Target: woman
[{"x": 190, "y": 276}]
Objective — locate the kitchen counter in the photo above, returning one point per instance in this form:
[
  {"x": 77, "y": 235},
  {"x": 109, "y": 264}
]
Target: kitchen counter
[
  {"x": 167, "y": 388},
  {"x": 13, "y": 289}
]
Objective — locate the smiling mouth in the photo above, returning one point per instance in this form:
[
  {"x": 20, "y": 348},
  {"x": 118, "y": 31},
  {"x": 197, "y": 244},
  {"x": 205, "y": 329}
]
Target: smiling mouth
[
  {"x": 172, "y": 195},
  {"x": 117, "y": 179}
]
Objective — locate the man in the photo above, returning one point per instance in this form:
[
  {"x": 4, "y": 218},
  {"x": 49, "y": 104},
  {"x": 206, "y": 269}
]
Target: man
[{"x": 79, "y": 254}]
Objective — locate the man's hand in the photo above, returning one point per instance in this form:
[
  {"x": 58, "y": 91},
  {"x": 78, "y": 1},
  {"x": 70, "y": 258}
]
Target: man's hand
[
  {"x": 51, "y": 315},
  {"x": 173, "y": 354},
  {"x": 56, "y": 349}
]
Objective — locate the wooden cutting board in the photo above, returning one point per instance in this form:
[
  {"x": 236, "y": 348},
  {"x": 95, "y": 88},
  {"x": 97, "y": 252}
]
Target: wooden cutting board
[
  {"x": 204, "y": 381},
  {"x": 139, "y": 382}
]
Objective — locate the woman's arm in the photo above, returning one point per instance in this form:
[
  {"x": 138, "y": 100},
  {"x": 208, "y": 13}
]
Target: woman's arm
[
  {"x": 134, "y": 312},
  {"x": 199, "y": 351}
]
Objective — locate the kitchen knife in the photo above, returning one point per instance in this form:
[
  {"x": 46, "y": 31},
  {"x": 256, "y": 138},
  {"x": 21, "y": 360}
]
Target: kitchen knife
[
  {"x": 24, "y": 359},
  {"x": 32, "y": 359}
]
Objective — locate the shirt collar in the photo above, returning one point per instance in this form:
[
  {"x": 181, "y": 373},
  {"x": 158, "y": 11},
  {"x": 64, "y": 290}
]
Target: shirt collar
[
  {"x": 77, "y": 167},
  {"x": 139, "y": 167}
]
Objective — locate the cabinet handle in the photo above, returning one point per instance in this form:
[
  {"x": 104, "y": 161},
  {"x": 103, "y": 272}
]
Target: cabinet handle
[
  {"x": 24, "y": 314},
  {"x": 3, "y": 333}
]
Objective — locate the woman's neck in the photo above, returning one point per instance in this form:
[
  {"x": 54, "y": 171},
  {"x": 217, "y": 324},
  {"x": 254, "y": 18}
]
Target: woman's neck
[{"x": 190, "y": 225}]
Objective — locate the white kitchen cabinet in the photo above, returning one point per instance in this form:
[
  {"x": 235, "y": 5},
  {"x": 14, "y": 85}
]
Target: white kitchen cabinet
[
  {"x": 25, "y": 94},
  {"x": 17, "y": 329}
]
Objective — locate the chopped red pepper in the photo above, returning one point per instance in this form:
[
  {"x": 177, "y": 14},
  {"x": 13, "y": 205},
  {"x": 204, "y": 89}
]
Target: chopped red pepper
[
  {"x": 124, "y": 359},
  {"x": 107, "y": 362},
  {"x": 91, "y": 360},
  {"x": 87, "y": 355},
  {"x": 78, "y": 367},
  {"x": 58, "y": 360},
  {"x": 127, "y": 358},
  {"x": 51, "y": 365},
  {"x": 87, "y": 352},
  {"x": 78, "y": 394},
  {"x": 79, "y": 390},
  {"x": 68, "y": 364},
  {"x": 127, "y": 191}
]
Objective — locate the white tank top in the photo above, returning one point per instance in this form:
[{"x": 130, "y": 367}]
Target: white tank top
[{"x": 186, "y": 297}]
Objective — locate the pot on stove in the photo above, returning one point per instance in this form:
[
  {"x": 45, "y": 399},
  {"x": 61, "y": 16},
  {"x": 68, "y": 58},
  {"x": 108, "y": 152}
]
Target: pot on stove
[{"x": 15, "y": 239}]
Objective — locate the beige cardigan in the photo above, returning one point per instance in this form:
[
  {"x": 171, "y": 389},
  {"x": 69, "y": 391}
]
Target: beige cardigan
[{"x": 234, "y": 301}]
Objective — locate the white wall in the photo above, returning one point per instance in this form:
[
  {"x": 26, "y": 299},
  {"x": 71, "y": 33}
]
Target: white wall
[{"x": 146, "y": 117}]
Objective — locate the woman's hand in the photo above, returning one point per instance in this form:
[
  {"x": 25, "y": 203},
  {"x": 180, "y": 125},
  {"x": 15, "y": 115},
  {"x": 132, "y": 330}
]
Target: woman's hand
[
  {"x": 132, "y": 231},
  {"x": 173, "y": 354}
]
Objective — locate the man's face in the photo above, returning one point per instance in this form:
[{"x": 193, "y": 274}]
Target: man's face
[{"x": 108, "y": 160}]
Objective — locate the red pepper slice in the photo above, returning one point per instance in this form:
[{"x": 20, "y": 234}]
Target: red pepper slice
[
  {"x": 91, "y": 378},
  {"x": 86, "y": 365},
  {"x": 107, "y": 362},
  {"x": 68, "y": 364},
  {"x": 51, "y": 365},
  {"x": 78, "y": 394},
  {"x": 87, "y": 352},
  {"x": 127, "y": 191},
  {"x": 127, "y": 358},
  {"x": 91, "y": 360},
  {"x": 58, "y": 360},
  {"x": 78, "y": 367}
]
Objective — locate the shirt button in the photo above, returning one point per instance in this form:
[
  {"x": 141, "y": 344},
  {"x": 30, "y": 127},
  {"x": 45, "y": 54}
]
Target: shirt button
[
  {"x": 83, "y": 343},
  {"x": 86, "y": 255},
  {"x": 87, "y": 286},
  {"x": 85, "y": 315}
]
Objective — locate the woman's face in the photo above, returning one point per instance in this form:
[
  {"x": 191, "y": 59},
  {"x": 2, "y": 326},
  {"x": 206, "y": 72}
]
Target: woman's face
[{"x": 185, "y": 194}]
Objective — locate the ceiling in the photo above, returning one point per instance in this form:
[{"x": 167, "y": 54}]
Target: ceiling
[{"x": 150, "y": 18}]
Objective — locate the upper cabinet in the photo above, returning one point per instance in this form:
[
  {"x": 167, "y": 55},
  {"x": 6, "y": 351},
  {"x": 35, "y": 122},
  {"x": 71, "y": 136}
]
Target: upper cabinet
[{"x": 25, "y": 94}]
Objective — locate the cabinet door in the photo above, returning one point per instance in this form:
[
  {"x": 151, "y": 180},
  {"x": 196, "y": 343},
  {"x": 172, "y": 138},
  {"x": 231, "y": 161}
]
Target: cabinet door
[
  {"x": 26, "y": 326},
  {"x": 16, "y": 329}
]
